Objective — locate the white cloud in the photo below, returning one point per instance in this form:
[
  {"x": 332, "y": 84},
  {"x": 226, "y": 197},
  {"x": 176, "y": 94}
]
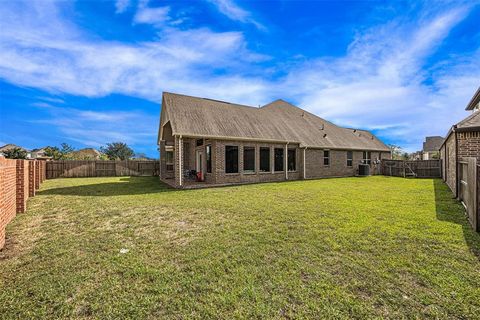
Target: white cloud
[
  {"x": 156, "y": 16},
  {"x": 121, "y": 6},
  {"x": 32, "y": 54},
  {"x": 230, "y": 9},
  {"x": 94, "y": 128},
  {"x": 381, "y": 83}
]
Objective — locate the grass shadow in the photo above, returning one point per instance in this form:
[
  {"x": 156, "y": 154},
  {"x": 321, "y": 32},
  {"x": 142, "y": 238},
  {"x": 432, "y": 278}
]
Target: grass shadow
[
  {"x": 126, "y": 186},
  {"x": 447, "y": 209}
]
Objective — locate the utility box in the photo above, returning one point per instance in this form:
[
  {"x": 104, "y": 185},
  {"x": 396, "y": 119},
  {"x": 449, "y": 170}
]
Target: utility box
[{"x": 363, "y": 170}]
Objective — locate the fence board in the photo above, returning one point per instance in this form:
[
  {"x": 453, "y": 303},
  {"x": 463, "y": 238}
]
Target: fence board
[
  {"x": 417, "y": 168},
  {"x": 101, "y": 168},
  {"x": 468, "y": 189}
]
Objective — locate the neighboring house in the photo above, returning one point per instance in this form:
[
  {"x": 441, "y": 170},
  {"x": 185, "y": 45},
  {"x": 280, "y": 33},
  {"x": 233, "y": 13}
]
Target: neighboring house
[
  {"x": 418, "y": 155},
  {"x": 431, "y": 147},
  {"x": 39, "y": 154},
  {"x": 12, "y": 146},
  {"x": 462, "y": 141},
  {"x": 230, "y": 143},
  {"x": 85, "y": 154}
]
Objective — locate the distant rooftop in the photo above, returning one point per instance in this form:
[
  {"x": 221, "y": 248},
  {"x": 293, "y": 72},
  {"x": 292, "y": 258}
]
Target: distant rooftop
[{"x": 432, "y": 143}]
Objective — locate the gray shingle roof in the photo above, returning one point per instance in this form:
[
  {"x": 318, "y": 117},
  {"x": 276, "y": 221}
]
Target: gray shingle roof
[
  {"x": 276, "y": 121},
  {"x": 470, "y": 122},
  {"x": 433, "y": 143},
  {"x": 474, "y": 101}
]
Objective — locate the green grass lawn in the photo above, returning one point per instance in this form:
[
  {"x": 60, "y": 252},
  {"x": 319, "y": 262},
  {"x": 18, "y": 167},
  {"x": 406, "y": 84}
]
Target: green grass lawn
[{"x": 372, "y": 247}]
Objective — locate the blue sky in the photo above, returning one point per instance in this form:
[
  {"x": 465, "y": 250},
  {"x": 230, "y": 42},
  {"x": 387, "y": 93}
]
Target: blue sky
[{"x": 92, "y": 72}]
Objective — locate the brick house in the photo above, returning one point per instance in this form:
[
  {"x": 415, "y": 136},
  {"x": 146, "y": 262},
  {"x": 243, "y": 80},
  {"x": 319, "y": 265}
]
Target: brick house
[
  {"x": 431, "y": 148},
  {"x": 462, "y": 141},
  {"x": 226, "y": 143}
]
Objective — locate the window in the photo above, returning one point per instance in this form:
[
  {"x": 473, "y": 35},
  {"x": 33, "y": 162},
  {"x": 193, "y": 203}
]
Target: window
[
  {"x": 292, "y": 160},
  {"x": 249, "y": 159},
  {"x": 231, "y": 159},
  {"x": 265, "y": 159},
  {"x": 169, "y": 160},
  {"x": 199, "y": 142},
  {"x": 367, "y": 157},
  {"x": 326, "y": 157},
  {"x": 349, "y": 158},
  {"x": 278, "y": 159},
  {"x": 208, "y": 151}
]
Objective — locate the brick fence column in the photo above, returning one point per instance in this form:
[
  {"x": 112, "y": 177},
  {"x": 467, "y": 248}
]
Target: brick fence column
[
  {"x": 31, "y": 178},
  {"x": 7, "y": 195},
  {"x": 22, "y": 185},
  {"x": 44, "y": 170},
  {"x": 37, "y": 175}
]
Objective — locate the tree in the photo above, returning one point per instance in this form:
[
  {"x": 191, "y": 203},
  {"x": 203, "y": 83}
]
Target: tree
[
  {"x": 117, "y": 151},
  {"x": 53, "y": 152},
  {"x": 65, "y": 149},
  {"x": 57, "y": 153},
  {"x": 396, "y": 151},
  {"x": 15, "y": 153}
]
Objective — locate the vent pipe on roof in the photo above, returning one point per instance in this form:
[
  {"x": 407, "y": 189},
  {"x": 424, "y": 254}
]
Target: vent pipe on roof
[
  {"x": 322, "y": 127},
  {"x": 324, "y": 135}
]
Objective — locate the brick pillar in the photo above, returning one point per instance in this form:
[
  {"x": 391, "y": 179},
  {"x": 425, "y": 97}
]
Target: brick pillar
[
  {"x": 44, "y": 171},
  {"x": 22, "y": 185},
  {"x": 42, "y": 167},
  {"x": 37, "y": 174},
  {"x": 31, "y": 178}
]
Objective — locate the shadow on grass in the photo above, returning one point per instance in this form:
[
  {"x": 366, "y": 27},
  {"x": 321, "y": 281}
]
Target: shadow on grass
[
  {"x": 126, "y": 186},
  {"x": 447, "y": 209}
]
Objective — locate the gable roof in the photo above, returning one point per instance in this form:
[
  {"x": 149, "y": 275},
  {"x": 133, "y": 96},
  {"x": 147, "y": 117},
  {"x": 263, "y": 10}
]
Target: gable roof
[
  {"x": 432, "y": 143},
  {"x": 278, "y": 121},
  {"x": 474, "y": 101},
  {"x": 472, "y": 122}
]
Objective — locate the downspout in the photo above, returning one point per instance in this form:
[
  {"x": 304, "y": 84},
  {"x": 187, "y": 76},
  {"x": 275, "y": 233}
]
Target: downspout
[
  {"x": 180, "y": 164},
  {"x": 456, "y": 162},
  {"x": 286, "y": 161}
]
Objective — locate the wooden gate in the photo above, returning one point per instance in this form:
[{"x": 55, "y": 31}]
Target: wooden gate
[
  {"x": 468, "y": 189},
  {"x": 415, "y": 169},
  {"x": 105, "y": 169},
  {"x": 145, "y": 168}
]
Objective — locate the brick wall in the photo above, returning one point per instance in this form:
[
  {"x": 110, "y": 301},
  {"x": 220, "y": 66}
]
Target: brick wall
[
  {"x": 469, "y": 145},
  {"x": 7, "y": 195},
  {"x": 22, "y": 185},
  {"x": 18, "y": 181},
  {"x": 31, "y": 178},
  {"x": 314, "y": 162},
  {"x": 449, "y": 154},
  {"x": 37, "y": 175}
]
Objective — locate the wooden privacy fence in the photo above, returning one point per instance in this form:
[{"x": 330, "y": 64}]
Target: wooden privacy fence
[
  {"x": 101, "y": 168},
  {"x": 417, "y": 168},
  {"x": 469, "y": 190}
]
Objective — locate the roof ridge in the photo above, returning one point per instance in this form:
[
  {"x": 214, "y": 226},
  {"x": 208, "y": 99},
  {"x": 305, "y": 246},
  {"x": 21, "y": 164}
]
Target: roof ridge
[
  {"x": 471, "y": 116},
  {"x": 209, "y": 99},
  {"x": 475, "y": 98}
]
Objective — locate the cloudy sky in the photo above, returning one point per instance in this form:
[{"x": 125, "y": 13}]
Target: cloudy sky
[{"x": 91, "y": 72}]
